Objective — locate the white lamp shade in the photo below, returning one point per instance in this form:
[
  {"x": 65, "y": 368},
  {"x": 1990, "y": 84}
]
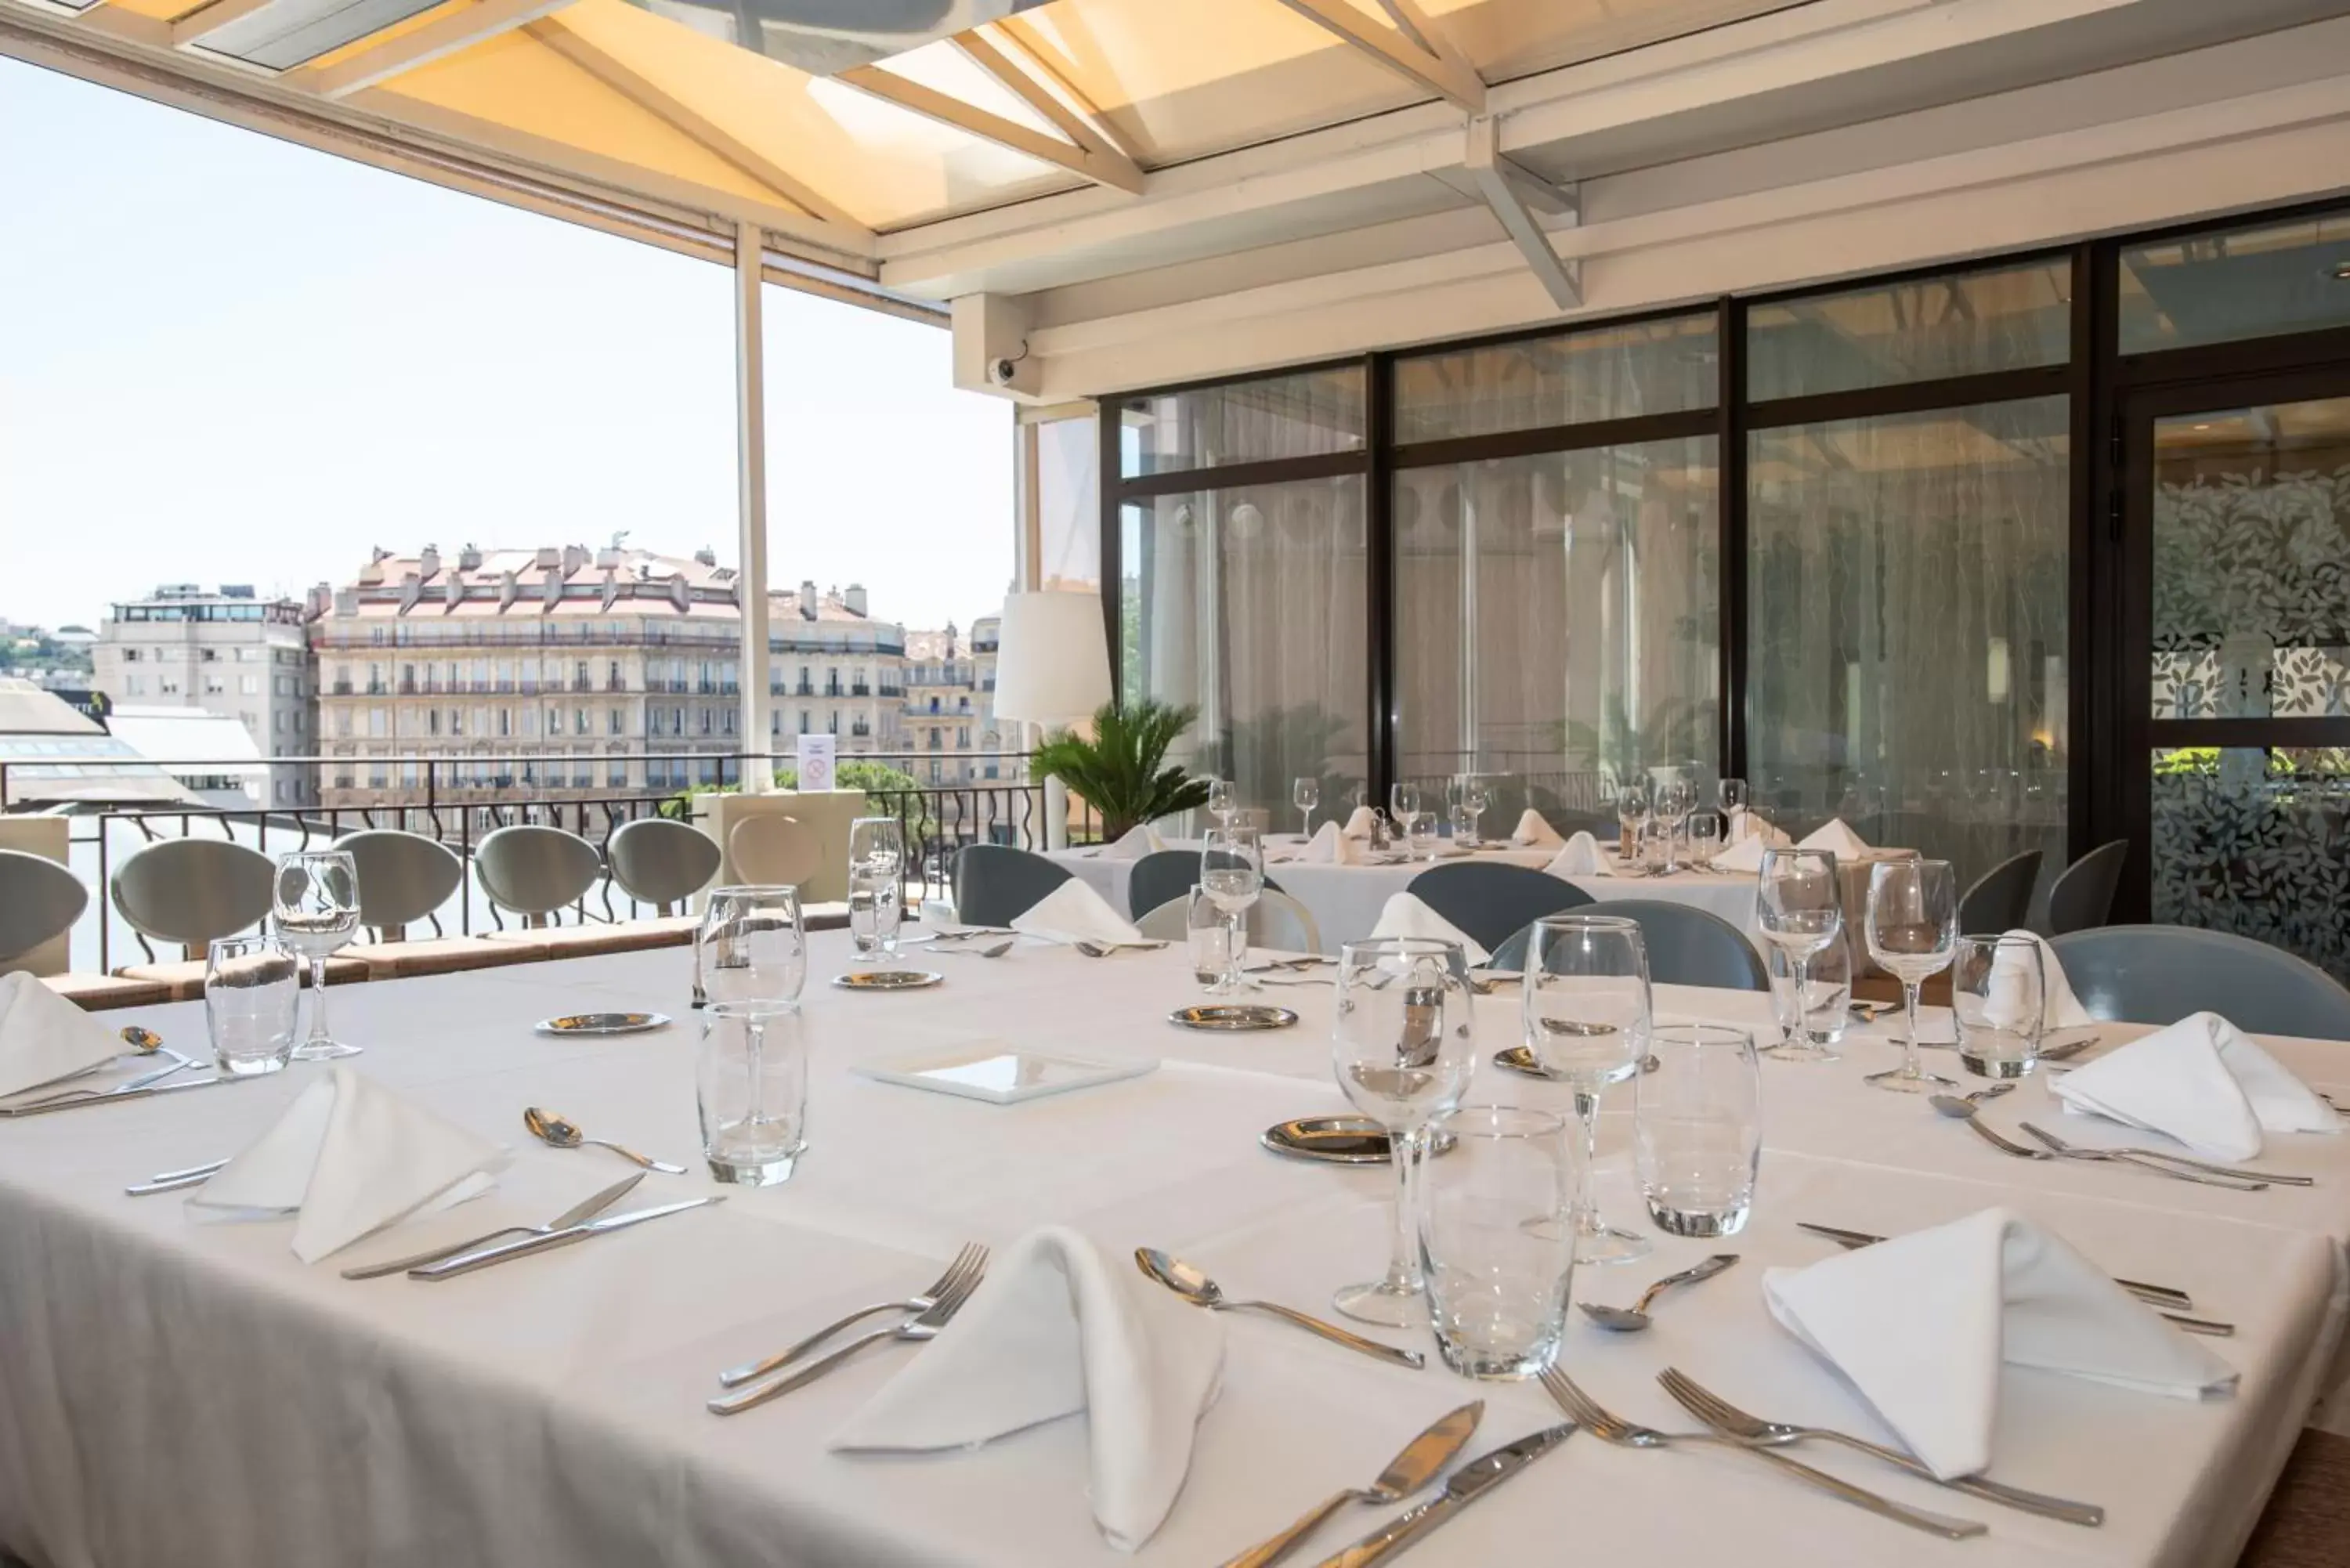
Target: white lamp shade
[{"x": 1052, "y": 664}]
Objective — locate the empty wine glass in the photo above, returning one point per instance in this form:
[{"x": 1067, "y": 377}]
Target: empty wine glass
[
  {"x": 1730, "y": 795},
  {"x": 752, "y": 945},
  {"x": 1402, "y": 1051},
  {"x": 1675, "y": 798},
  {"x": 1231, "y": 872},
  {"x": 877, "y": 858},
  {"x": 1799, "y": 908},
  {"x": 1222, "y": 800},
  {"x": 315, "y": 908},
  {"x": 1403, "y": 806},
  {"x": 1586, "y": 1013},
  {"x": 1305, "y": 795},
  {"x": 1477, "y": 799},
  {"x": 1631, "y": 815},
  {"x": 1913, "y": 929},
  {"x": 1704, "y": 830}
]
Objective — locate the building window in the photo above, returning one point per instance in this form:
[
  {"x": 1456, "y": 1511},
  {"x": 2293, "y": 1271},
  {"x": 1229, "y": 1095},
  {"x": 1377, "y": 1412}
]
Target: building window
[
  {"x": 963, "y": 734},
  {"x": 616, "y": 722}
]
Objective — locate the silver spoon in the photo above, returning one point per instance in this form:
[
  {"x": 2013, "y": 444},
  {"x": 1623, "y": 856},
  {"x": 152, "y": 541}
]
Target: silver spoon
[
  {"x": 1963, "y": 1105},
  {"x": 1197, "y": 1288},
  {"x": 996, "y": 951},
  {"x": 1633, "y": 1319},
  {"x": 1103, "y": 949},
  {"x": 554, "y": 1131}
]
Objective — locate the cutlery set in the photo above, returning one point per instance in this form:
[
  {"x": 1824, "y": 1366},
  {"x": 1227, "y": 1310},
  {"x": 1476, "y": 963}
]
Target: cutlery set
[{"x": 929, "y": 1313}]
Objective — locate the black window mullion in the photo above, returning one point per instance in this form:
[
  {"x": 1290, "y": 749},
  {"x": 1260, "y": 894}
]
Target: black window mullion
[
  {"x": 1113, "y": 567},
  {"x": 1910, "y": 398},
  {"x": 1382, "y": 740},
  {"x": 1730, "y": 469}
]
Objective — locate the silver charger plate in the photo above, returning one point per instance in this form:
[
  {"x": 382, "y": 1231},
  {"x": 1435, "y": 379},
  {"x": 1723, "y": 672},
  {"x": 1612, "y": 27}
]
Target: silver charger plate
[
  {"x": 603, "y": 1024},
  {"x": 1521, "y": 1059},
  {"x": 887, "y": 979},
  {"x": 1336, "y": 1140},
  {"x": 1232, "y": 1018}
]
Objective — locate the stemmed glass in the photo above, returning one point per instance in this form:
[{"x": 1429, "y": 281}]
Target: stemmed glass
[
  {"x": 1586, "y": 1013},
  {"x": 877, "y": 856},
  {"x": 1675, "y": 799},
  {"x": 1305, "y": 795},
  {"x": 1403, "y": 804},
  {"x": 751, "y": 951},
  {"x": 1631, "y": 815},
  {"x": 1799, "y": 908},
  {"x": 1231, "y": 872},
  {"x": 1476, "y": 799},
  {"x": 315, "y": 905},
  {"x": 1913, "y": 929},
  {"x": 1402, "y": 1051},
  {"x": 1222, "y": 800}
]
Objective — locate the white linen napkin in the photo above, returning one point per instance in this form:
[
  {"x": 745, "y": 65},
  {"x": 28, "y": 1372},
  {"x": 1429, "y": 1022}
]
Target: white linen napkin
[
  {"x": 1580, "y": 858},
  {"x": 1536, "y": 832},
  {"x": 1406, "y": 916},
  {"x": 1328, "y": 847},
  {"x": 1134, "y": 843},
  {"x": 1834, "y": 837},
  {"x": 2202, "y": 1082},
  {"x": 1056, "y": 1329},
  {"x": 348, "y": 1157},
  {"x": 43, "y": 1036},
  {"x": 1362, "y": 823},
  {"x": 2003, "y": 1002},
  {"x": 1920, "y": 1324},
  {"x": 1073, "y": 912},
  {"x": 1746, "y": 855}
]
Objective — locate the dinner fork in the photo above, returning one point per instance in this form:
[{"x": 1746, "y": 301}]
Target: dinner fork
[
  {"x": 1092, "y": 949},
  {"x": 2239, "y": 1172},
  {"x": 2208, "y": 1176},
  {"x": 1728, "y": 1419},
  {"x": 1626, "y": 1434},
  {"x": 925, "y": 1326},
  {"x": 178, "y": 1063},
  {"x": 972, "y": 1261}
]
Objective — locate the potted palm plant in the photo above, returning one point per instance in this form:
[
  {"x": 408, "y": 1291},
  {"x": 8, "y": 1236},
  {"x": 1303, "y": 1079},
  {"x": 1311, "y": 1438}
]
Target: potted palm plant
[{"x": 1121, "y": 770}]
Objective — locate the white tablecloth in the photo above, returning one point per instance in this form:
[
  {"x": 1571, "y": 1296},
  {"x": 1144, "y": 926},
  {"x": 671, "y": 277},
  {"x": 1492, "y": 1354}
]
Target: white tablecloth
[{"x": 181, "y": 1395}]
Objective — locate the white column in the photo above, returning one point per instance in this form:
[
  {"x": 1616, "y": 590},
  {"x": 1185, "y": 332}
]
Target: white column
[
  {"x": 750, "y": 498},
  {"x": 1028, "y": 550}
]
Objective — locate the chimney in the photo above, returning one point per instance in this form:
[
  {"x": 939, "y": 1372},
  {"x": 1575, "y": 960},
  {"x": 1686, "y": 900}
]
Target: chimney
[
  {"x": 411, "y": 588},
  {"x": 429, "y": 562},
  {"x": 347, "y": 601},
  {"x": 607, "y": 559},
  {"x": 317, "y": 601},
  {"x": 706, "y": 555},
  {"x": 807, "y": 598},
  {"x": 854, "y": 599},
  {"x": 509, "y": 586},
  {"x": 574, "y": 557},
  {"x": 549, "y": 558},
  {"x": 469, "y": 559}
]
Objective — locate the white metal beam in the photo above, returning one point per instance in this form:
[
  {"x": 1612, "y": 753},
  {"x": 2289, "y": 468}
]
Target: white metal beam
[
  {"x": 1445, "y": 73},
  {"x": 198, "y": 24},
  {"x": 1563, "y": 281},
  {"x": 1078, "y": 120},
  {"x": 435, "y": 40},
  {"x": 751, "y": 496},
  {"x": 1016, "y": 42},
  {"x": 928, "y": 102}
]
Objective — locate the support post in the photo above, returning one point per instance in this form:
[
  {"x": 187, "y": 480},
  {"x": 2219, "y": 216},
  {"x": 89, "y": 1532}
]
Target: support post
[{"x": 750, "y": 499}]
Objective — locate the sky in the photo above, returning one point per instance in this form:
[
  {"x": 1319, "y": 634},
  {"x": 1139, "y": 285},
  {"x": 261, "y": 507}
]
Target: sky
[{"x": 225, "y": 358}]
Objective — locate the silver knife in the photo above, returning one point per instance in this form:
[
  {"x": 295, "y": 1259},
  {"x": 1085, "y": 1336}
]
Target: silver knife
[
  {"x": 482, "y": 1257},
  {"x": 112, "y": 1096},
  {"x": 1461, "y": 1488},
  {"x": 585, "y": 1209}
]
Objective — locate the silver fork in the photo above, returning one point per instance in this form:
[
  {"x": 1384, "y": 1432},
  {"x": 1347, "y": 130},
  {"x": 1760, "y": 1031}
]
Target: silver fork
[
  {"x": 2239, "y": 1172},
  {"x": 1728, "y": 1419},
  {"x": 2208, "y": 1176},
  {"x": 178, "y": 1063},
  {"x": 2006, "y": 1145},
  {"x": 925, "y": 1326},
  {"x": 1626, "y": 1434},
  {"x": 972, "y": 1261}
]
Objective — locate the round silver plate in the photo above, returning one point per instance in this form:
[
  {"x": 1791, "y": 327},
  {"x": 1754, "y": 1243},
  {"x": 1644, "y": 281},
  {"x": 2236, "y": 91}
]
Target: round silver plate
[
  {"x": 1232, "y": 1018},
  {"x": 1521, "y": 1059},
  {"x": 887, "y": 979},
  {"x": 603, "y": 1024},
  {"x": 1336, "y": 1140}
]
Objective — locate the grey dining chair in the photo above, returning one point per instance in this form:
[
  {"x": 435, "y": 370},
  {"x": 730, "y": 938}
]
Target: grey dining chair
[
  {"x": 1490, "y": 900},
  {"x": 2001, "y": 898},
  {"x": 1275, "y": 921},
  {"x": 774, "y": 851},
  {"x": 1165, "y": 874},
  {"x": 404, "y": 878},
  {"x": 191, "y": 890},
  {"x": 2082, "y": 897},
  {"x": 1686, "y": 945},
  {"x": 38, "y": 899},
  {"x": 994, "y": 882},
  {"x": 533, "y": 871},
  {"x": 2159, "y": 974},
  {"x": 660, "y": 862}
]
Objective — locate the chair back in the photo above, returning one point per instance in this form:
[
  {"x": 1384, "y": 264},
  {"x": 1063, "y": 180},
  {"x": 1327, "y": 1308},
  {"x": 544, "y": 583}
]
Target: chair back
[
  {"x": 2159, "y": 974},
  {"x": 2082, "y": 897},
  {"x": 774, "y": 850},
  {"x": 1686, "y": 945},
  {"x": 660, "y": 862},
  {"x": 2001, "y": 898},
  {"x": 994, "y": 882},
  {"x": 1489, "y": 901},
  {"x": 1276, "y": 921},
  {"x": 534, "y": 871},
  {"x": 403, "y": 877},
  {"x": 190, "y": 891},
  {"x": 1160, "y": 875},
  {"x": 38, "y": 899}
]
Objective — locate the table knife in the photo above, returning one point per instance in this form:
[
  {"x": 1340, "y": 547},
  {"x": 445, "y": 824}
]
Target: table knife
[
  {"x": 482, "y": 1257},
  {"x": 2160, "y": 1297},
  {"x": 112, "y": 1096},
  {"x": 1461, "y": 1488}
]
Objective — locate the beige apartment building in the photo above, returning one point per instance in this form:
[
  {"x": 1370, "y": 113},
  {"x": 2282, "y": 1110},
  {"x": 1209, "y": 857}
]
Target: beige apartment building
[
  {"x": 228, "y": 651},
  {"x": 949, "y": 720}
]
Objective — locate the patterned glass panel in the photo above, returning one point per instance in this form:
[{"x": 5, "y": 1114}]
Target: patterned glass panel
[{"x": 2257, "y": 843}]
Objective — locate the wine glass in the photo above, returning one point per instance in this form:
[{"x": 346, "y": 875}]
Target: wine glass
[
  {"x": 1231, "y": 873},
  {"x": 1305, "y": 795},
  {"x": 1675, "y": 798},
  {"x": 1402, "y": 1051},
  {"x": 315, "y": 905},
  {"x": 1455, "y": 785},
  {"x": 1799, "y": 908},
  {"x": 1477, "y": 799},
  {"x": 1704, "y": 831},
  {"x": 1631, "y": 815},
  {"x": 1403, "y": 806},
  {"x": 752, "y": 945},
  {"x": 1913, "y": 929},
  {"x": 877, "y": 857},
  {"x": 1223, "y": 801},
  {"x": 1586, "y": 1014}
]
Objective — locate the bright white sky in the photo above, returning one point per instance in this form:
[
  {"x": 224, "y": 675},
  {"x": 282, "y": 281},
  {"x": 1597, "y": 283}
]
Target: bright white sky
[{"x": 225, "y": 357}]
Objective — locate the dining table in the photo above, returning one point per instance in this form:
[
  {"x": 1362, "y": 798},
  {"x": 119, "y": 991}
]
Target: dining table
[{"x": 180, "y": 1391}]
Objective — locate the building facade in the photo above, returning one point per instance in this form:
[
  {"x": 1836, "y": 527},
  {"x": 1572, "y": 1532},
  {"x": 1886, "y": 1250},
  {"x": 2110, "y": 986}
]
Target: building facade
[
  {"x": 949, "y": 716},
  {"x": 228, "y": 651}
]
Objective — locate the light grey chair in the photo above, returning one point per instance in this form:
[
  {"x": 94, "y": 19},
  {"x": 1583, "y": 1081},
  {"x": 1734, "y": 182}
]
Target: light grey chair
[
  {"x": 533, "y": 871},
  {"x": 1165, "y": 874},
  {"x": 38, "y": 899},
  {"x": 403, "y": 877},
  {"x": 1276, "y": 920},
  {"x": 774, "y": 850},
  {"x": 994, "y": 882},
  {"x": 2159, "y": 974},
  {"x": 1686, "y": 945},
  {"x": 660, "y": 862},
  {"x": 190, "y": 891},
  {"x": 2001, "y": 898},
  {"x": 2082, "y": 897},
  {"x": 1490, "y": 901}
]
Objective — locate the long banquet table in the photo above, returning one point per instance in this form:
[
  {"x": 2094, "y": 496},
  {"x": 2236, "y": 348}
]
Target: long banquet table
[{"x": 184, "y": 1394}]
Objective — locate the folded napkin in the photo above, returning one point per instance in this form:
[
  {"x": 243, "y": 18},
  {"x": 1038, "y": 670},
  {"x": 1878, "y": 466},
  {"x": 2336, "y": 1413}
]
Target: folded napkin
[
  {"x": 1536, "y": 832},
  {"x": 1920, "y": 1324},
  {"x": 2202, "y": 1082},
  {"x": 1580, "y": 858},
  {"x": 1362, "y": 823},
  {"x": 1746, "y": 855},
  {"x": 43, "y": 1036},
  {"x": 1328, "y": 847},
  {"x": 1134, "y": 843},
  {"x": 1746, "y": 825},
  {"x": 1059, "y": 1328},
  {"x": 2004, "y": 999},
  {"x": 1837, "y": 838},
  {"x": 1073, "y": 912},
  {"x": 348, "y": 1157},
  {"x": 1406, "y": 916}
]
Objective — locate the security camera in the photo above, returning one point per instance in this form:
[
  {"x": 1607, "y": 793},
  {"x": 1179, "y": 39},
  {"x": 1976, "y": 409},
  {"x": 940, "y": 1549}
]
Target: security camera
[{"x": 1002, "y": 371}]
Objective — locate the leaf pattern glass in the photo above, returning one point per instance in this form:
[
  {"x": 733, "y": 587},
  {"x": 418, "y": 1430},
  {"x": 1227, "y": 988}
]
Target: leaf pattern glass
[{"x": 2256, "y": 843}]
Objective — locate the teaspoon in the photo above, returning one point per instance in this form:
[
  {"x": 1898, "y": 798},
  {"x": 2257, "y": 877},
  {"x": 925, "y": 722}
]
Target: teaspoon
[
  {"x": 556, "y": 1132},
  {"x": 1193, "y": 1286},
  {"x": 1633, "y": 1319}
]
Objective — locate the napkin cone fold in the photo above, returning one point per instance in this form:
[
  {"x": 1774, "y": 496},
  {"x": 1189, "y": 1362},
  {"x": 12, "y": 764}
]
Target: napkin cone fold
[
  {"x": 1059, "y": 1328},
  {"x": 1746, "y": 855},
  {"x": 2203, "y": 1081},
  {"x": 1328, "y": 847},
  {"x": 44, "y": 1037},
  {"x": 1135, "y": 843},
  {"x": 2003, "y": 1002},
  {"x": 1535, "y": 831},
  {"x": 1835, "y": 837},
  {"x": 1362, "y": 823},
  {"x": 1073, "y": 912},
  {"x": 1405, "y": 915},
  {"x": 1579, "y": 856}
]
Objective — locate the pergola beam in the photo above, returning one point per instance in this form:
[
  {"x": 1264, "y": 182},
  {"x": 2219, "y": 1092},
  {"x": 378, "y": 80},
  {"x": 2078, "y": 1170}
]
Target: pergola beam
[
  {"x": 200, "y": 24},
  {"x": 433, "y": 41},
  {"x": 1050, "y": 95},
  {"x": 1434, "y": 65},
  {"x": 928, "y": 102},
  {"x": 1501, "y": 184}
]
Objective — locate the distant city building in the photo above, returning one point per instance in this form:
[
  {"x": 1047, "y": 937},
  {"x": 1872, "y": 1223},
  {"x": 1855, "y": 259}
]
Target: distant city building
[
  {"x": 212, "y": 755},
  {"x": 59, "y": 759},
  {"x": 225, "y": 650},
  {"x": 950, "y": 713}
]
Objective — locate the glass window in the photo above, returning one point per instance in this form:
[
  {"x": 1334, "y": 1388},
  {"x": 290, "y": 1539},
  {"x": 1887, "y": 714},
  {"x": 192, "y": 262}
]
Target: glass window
[
  {"x": 1069, "y": 503},
  {"x": 1966, "y": 324},
  {"x": 2246, "y": 283},
  {"x": 1308, "y": 414},
  {"x": 2256, "y": 842},
  {"x": 1603, "y": 373}
]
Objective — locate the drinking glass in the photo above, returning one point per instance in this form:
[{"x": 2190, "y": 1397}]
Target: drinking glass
[
  {"x": 1799, "y": 909},
  {"x": 1455, "y": 787},
  {"x": 1826, "y": 1008},
  {"x": 876, "y": 859},
  {"x": 252, "y": 986},
  {"x": 1419, "y": 840},
  {"x": 1631, "y": 815},
  {"x": 1585, "y": 1014},
  {"x": 1998, "y": 994},
  {"x": 1403, "y": 804},
  {"x": 1209, "y": 937},
  {"x": 1730, "y": 795},
  {"x": 1704, "y": 839},
  {"x": 1697, "y": 1128},
  {"x": 1231, "y": 873},
  {"x": 1305, "y": 795},
  {"x": 752, "y": 947},
  {"x": 1464, "y": 827},
  {"x": 1500, "y": 1268},
  {"x": 750, "y": 1079},
  {"x": 1402, "y": 1051},
  {"x": 1675, "y": 798},
  {"x": 1913, "y": 929},
  {"x": 1477, "y": 800},
  {"x": 1222, "y": 800},
  {"x": 316, "y": 908}
]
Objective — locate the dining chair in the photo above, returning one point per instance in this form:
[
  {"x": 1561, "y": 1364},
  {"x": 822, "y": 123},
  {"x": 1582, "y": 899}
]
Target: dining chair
[
  {"x": 1165, "y": 874},
  {"x": 1276, "y": 920},
  {"x": 2082, "y": 897},
  {"x": 39, "y": 898},
  {"x": 2159, "y": 974},
  {"x": 534, "y": 871},
  {"x": 190, "y": 891},
  {"x": 774, "y": 850},
  {"x": 403, "y": 877},
  {"x": 662, "y": 862},
  {"x": 1490, "y": 900},
  {"x": 2001, "y": 898},
  {"x": 1686, "y": 945},
  {"x": 994, "y": 882}
]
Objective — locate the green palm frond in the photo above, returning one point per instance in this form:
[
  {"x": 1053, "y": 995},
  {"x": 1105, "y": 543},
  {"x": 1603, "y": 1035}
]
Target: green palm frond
[{"x": 1123, "y": 770}]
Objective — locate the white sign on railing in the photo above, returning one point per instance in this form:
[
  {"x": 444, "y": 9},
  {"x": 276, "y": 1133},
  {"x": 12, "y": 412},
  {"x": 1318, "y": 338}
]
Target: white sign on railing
[{"x": 816, "y": 762}]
